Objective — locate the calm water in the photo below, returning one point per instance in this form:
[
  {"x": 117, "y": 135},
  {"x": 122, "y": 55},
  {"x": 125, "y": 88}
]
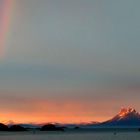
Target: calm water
[{"x": 71, "y": 136}]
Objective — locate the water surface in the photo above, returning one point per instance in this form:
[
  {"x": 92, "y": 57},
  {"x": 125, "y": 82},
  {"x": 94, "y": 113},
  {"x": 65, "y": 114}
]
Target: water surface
[{"x": 70, "y": 136}]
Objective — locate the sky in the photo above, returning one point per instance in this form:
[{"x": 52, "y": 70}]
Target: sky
[{"x": 68, "y": 60}]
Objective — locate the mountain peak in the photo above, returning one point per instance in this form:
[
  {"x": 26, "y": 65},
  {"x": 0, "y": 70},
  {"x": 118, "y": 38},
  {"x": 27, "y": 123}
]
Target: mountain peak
[
  {"x": 127, "y": 114},
  {"x": 126, "y": 111}
]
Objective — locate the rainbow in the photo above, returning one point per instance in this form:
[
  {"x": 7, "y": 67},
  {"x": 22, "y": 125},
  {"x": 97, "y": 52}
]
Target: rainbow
[{"x": 5, "y": 22}]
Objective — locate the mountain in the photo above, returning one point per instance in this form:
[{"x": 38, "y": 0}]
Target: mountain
[
  {"x": 126, "y": 117},
  {"x": 28, "y": 125},
  {"x": 80, "y": 125},
  {"x": 32, "y": 126}
]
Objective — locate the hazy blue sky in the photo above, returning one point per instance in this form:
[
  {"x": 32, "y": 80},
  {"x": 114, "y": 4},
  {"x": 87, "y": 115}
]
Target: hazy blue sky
[{"x": 82, "y": 50}]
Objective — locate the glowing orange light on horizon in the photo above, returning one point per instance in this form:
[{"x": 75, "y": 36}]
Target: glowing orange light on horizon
[{"x": 18, "y": 118}]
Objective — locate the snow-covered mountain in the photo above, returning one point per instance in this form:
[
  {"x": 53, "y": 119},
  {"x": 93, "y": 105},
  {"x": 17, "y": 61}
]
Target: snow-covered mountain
[{"x": 126, "y": 117}]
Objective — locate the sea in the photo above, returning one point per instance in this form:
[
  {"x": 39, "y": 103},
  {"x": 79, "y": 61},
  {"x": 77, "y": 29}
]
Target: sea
[{"x": 70, "y": 136}]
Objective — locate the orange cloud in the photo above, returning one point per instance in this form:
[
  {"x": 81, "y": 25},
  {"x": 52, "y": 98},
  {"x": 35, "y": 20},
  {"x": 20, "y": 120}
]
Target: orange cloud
[{"x": 43, "y": 110}]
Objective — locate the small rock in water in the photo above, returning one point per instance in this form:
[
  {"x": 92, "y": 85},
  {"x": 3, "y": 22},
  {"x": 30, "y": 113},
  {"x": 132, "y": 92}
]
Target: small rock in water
[{"x": 115, "y": 133}]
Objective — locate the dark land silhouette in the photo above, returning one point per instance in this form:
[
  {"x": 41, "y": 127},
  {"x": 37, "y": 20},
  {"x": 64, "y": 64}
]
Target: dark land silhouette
[
  {"x": 17, "y": 128},
  {"x": 51, "y": 127},
  {"x": 3, "y": 127}
]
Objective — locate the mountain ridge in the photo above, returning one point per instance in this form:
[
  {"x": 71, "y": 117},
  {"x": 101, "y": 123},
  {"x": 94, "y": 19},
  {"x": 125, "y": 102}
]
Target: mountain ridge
[{"x": 127, "y": 117}]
